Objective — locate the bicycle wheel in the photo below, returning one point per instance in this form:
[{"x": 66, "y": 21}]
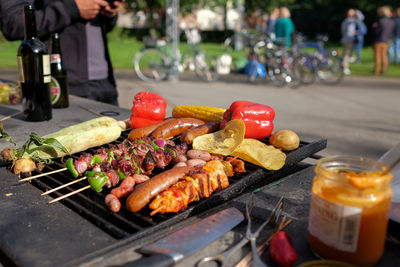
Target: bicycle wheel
[
  {"x": 306, "y": 63},
  {"x": 275, "y": 74},
  {"x": 151, "y": 65},
  {"x": 293, "y": 73},
  {"x": 205, "y": 67},
  {"x": 330, "y": 69}
]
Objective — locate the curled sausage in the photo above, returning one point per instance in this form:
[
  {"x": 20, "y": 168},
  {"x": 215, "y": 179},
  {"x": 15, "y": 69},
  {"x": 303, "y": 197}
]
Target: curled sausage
[
  {"x": 189, "y": 135},
  {"x": 175, "y": 127},
  {"x": 113, "y": 203},
  {"x": 127, "y": 185},
  {"x": 145, "y": 192},
  {"x": 145, "y": 130}
]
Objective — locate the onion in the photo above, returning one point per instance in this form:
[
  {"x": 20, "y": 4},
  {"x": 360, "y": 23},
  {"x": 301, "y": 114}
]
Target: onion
[{"x": 160, "y": 142}]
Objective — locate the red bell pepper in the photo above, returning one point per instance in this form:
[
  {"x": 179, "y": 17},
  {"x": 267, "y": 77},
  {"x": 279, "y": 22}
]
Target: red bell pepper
[
  {"x": 148, "y": 108},
  {"x": 281, "y": 250},
  {"x": 258, "y": 118}
]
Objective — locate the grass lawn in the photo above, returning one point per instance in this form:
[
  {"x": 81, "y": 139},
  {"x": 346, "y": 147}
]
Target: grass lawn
[{"x": 123, "y": 49}]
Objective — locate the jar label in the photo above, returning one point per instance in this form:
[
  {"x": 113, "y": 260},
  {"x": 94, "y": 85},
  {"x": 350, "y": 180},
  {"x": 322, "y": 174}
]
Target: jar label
[
  {"x": 46, "y": 69},
  {"x": 55, "y": 90},
  {"x": 334, "y": 224}
]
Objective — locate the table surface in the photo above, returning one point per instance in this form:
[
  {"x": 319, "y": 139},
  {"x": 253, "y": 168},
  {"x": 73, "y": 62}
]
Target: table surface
[{"x": 42, "y": 232}]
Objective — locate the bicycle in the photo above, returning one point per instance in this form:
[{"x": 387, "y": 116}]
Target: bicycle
[
  {"x": 156, "y": 63},
  {"x": 326, "y": 64}
]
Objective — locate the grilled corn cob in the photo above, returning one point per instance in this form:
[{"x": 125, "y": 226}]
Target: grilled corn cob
[{"x": 203, "y": 113}]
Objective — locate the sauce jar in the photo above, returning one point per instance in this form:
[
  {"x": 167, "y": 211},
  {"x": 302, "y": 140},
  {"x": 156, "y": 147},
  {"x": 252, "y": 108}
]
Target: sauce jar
[{"x": 349, "y": 209}]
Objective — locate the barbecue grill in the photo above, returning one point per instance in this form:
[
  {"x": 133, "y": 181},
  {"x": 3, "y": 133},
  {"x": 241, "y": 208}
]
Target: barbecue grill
[{"x": 125, "y": 227}]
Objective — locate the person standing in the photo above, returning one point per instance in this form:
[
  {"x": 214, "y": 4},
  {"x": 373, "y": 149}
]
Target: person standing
[
  {"x": 82, "y": 25},
  {"x": 271, "y": 22},
  {"x": 394, "y": 49},
  {"x": 284, "y": 27},
  {"x": 361, "y": 31},
  {"x": 383, "y": 32},
  {"x": 348, "y": 29}
]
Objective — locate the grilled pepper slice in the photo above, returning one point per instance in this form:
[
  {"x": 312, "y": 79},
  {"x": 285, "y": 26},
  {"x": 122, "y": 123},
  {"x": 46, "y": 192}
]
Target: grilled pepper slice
[
  {"x": 258, "y": 118},
  {"x": 69, "y": 164},
  {"x": 148, "y": 108},
  {"x": 95, "y": 160},
  {"x": 98, "y": 181}
]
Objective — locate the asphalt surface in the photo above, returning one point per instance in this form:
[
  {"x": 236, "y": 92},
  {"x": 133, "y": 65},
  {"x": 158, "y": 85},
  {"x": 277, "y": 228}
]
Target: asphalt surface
[{"x": 360, "y": 116}]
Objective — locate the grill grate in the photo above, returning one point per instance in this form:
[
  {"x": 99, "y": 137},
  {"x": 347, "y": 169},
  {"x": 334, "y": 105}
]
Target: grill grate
[{"x": 91, "y": 206}]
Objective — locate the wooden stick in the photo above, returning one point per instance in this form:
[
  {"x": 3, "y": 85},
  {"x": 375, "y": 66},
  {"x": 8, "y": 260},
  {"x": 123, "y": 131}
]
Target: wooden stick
[
  {"x": 91, "y": 111},
  {"x": 70, "y": 194},
  {"x": 246, "y": 261},
  {"x": 62, "y": 186},
  {"x": 40, "y": 175},
  {"x": 10, "y": 116}
]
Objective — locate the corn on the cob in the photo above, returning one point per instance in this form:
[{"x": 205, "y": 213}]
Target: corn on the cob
[{"x": 203, "y": 113}]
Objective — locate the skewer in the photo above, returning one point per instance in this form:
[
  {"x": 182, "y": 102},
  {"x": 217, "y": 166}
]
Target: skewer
[
  {"x": 91, "y": 111},
  {"x": 10, "y": 116},
  {"x": 69, "y": 194},
  {"x": 62, "y": 186},
  {"x": 42, "y": 174}
]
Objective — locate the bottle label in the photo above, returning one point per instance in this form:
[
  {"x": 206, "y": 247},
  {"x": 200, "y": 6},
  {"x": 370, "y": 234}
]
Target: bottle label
[
  {"x": 20, "y": 69},
  {"x": 55, "y": 58},
  {"x": 55, "y": 90},
  {"x": 46, "y": 69},
  {"x": 334, "y": 224}
]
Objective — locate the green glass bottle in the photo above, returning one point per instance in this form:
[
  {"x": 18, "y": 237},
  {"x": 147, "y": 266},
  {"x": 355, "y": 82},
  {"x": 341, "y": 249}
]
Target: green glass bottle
[{"x": 59, "y": 81}]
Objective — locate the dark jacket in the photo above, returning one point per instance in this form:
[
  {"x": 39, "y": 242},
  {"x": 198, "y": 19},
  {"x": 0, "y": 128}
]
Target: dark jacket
[
  {"x": 383, "y": 32},
  {"x": 397, "y": 27},
  {"x": 60, "y": 16}
]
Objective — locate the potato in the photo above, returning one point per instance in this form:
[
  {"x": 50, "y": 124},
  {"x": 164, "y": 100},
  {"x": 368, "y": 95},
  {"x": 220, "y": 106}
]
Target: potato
[{"x": 286, "y": 140}]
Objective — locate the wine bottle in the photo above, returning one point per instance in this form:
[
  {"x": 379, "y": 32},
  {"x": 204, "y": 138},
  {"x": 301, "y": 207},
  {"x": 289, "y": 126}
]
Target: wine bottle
[
  {"x": 34, "y": 71},
  {"x": 59, "y": 82}
]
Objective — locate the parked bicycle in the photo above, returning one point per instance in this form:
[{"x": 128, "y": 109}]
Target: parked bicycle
[
  {"x": 155, "y": 62},
  {"x": 324, "y": 64}
]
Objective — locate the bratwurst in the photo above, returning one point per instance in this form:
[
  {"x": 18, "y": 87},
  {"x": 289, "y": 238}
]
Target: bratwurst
[
  {"x": 175, "y": 127},
  {"x": 146, "y": 191},
  {"x": 189, "y": 135}
]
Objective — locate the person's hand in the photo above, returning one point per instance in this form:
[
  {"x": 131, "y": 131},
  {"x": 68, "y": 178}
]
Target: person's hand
[
  {"x": 89, "y": 9},
  {"x": 111, "y": 11}
]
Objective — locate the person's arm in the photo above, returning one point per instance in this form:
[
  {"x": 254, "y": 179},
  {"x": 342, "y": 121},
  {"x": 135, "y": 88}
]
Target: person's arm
[
  {"x": 52, "y": 18},
  {"x": 110, "y": 15}
]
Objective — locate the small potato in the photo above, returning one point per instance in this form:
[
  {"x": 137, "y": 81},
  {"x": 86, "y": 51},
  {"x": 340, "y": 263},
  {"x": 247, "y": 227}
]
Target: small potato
[
  {"x": 24, "y": 167},
  {"x": 286, "y": 140},
  {"x": 198, "y": 154},
  {"x": 196, "y": 162},
  {"x": 6, "y": 154}
]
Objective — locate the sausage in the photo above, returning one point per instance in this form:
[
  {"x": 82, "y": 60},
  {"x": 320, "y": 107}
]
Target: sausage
[
  {"x": 196, "y": 162},
  {"x": 125, "y": 188},
  {"x": 113, "y": 203},
  {"x": 145, "y": 130},
  {"x": 175, "y": 127},
  {"x": 198, "y": 154},
  {"x": 145, "y": 192},
  {"x": 127, "y": 185},
  {"x": 180, "y": 158},
  {"x": 189, "y": 135},
  {"x": 180, "y": 164}
]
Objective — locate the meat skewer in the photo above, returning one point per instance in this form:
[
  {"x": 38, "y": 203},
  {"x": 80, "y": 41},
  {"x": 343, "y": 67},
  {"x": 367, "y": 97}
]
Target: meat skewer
[{"x": 41, "y": 175}]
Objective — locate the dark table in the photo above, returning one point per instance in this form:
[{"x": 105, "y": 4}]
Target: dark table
[{"x": 34, "y": 233}]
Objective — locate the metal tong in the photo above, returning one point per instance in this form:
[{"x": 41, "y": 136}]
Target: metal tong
[{"x": 222, "y": 258}]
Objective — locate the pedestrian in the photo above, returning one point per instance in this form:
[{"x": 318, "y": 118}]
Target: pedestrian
[
  {"x": 271, "y": 22},
  {"x": 394, "y": 49},
  {"x": 284, "y": 27},
  {"x": 348, "y": 29},
  {"x": 383, "y": 32},
  {"x": 361, "y": 31},
  {"x": 82, "y": 25}
]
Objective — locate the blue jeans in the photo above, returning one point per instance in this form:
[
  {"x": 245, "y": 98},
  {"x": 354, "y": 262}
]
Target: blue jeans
[
  {"x": 394, "y": 51},
  {"x": 359, "y": 46}
]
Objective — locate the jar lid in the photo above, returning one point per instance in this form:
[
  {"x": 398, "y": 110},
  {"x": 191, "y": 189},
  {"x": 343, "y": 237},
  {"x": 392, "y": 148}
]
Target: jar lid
[{"x": 326, "y": 263}]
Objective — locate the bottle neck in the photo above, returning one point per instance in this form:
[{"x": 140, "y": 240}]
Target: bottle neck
[
  {"x": 30, "y": 22},
  {"x": 55, "y": 44}
]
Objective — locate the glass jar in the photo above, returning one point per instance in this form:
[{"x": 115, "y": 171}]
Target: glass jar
[{"x": 349, "y": 211}]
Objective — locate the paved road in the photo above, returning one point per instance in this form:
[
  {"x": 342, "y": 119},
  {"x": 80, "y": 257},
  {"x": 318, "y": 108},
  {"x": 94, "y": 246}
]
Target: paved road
[{"x": 361, "y": 116}]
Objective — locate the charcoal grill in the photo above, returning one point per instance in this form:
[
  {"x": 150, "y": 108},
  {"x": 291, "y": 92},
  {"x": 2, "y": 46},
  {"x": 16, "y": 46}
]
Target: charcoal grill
[{"x": 126, "y": 226}]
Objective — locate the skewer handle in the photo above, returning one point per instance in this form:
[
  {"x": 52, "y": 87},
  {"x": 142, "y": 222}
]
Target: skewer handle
[
  {"x": 10, "y": 116},
  {"x": 70, "y": 194},
  {"x": 40, "y": 175},
  {"x": 62, "y": 186}
]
